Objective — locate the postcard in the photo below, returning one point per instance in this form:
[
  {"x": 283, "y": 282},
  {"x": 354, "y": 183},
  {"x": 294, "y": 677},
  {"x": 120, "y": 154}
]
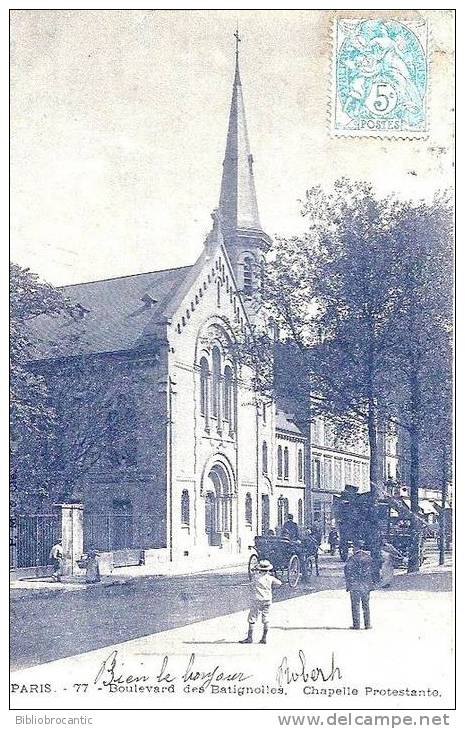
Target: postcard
[{"x": 232, "y": 261}]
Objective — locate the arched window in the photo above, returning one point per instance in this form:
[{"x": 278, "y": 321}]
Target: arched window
[
  {"x": 228, "y": 405},
  {"x": 280, "y": 462},
  {"x": 248, "y": 276},
  {"x": 265, "y": 457},
  {"x": 216, "y": 367},
  {"x": 300, "y": 465},
  {"x": 204, "y": 387},
  {"x": 185, "y": 508},
  {"x": 283, "y": 510},
  {"x": 248, "y": 509},
  {"x": 286, "y": 462},
  {"x": 264, "y": 413},
  {"x": 300, "y": 512},
  {"x": 122, "y": 425}
]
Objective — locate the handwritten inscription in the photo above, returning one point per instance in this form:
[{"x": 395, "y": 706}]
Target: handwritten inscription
[
  {"x": 302, "y": 672},
  {"x": 111, "y": 673}
]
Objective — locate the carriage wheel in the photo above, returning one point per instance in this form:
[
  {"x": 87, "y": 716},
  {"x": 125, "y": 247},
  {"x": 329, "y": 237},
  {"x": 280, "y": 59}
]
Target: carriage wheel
[
  {"x": 253, "y": 562},
  {"x": 308, "y": 568},
  {"x": 293, "y": 571}
]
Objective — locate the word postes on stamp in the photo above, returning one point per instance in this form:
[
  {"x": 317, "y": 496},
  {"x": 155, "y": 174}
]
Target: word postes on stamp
[{"x": 380, "y": 78}]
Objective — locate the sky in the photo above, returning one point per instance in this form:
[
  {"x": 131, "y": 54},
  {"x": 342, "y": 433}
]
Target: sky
[{"x": 119, "y": 120}]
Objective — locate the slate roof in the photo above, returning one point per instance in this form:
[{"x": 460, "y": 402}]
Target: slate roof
[
  {"x": 284, "y": 421},
  {"x": 115, "y": 315}
]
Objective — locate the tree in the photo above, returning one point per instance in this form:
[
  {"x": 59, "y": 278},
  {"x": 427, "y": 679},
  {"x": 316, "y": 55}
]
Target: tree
[
  {"x": 31, "y": 413},
  {"x": 362, "y": 323},
  {"x": 423, "y": 245},
  {"x": 334, "y": 292},
  {"x": 94, "y": 422}
]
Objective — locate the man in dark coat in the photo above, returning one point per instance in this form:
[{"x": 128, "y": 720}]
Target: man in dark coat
[
  {"x": 358, "y": 571},
  {"x": 290, "y": 530}
]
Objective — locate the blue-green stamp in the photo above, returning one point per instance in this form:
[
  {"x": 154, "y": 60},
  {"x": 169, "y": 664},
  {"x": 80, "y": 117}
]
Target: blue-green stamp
[{"x": 380, "y": 78}]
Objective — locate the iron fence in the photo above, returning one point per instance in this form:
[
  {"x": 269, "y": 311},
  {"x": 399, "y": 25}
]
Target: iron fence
[{"x": 31, "y": 538}]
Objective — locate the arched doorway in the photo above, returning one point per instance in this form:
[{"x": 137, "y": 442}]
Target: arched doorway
[{"x": 218, "y": 506}]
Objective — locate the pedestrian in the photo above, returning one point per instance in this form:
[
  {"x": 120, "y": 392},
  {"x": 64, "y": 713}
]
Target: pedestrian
[
  {"x": 333, "y": 539},
  {"x": 358, "y": 571},
  {"x": 290, "y": 530},
  {"x": 262, "y": 596},
  {"x": 389, "y": 556},
  {"x": 92, "y": 567},
  {"x": 56, "y": 557},
  {"x": 316, "y": 532}
]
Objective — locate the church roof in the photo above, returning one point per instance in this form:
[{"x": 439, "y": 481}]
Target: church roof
[
  {"x": 108, "y": 316},
  {"x": 238, "y": 199}
]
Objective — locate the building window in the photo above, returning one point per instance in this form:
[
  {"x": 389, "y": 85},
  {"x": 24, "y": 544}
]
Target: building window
[
  {"x": 338, "y": 473},
  {"x": 248, "y": 509},
  {"x": 317, "y": 473},
  {"x": 265, "y": 457},
  {"x": 228, "y": 395},
  {"x": 280, "y": 462},
  {"x": 264, "y": 413},
  {"x": 283, "y": 510},
  {"x": 348, "y": 472},
  {"x": 185, "y": 508},
  {"x": 328, "y": 473},
  {"x": 286, "y": 462},
  {"x": 265, "y": 513},
  {"x": 300, "y": 512},
  {"x": 204, "y": 387},
  {"x": 300, "y": 465},
  {"x": 216, "y": 362},
  {"x": 248, "y": 276},
  {"x": 122, "y": 425},
  {"x": 218, "y": 294}
]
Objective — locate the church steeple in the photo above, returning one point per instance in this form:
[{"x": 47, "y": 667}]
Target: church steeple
[{"x": 238, "y": 207}]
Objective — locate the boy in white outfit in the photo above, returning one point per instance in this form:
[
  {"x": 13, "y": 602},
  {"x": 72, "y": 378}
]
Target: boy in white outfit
[{"x": 262, "y": 596}]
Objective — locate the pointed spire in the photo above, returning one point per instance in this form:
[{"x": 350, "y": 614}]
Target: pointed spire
[{"x": 238, "y": 200}]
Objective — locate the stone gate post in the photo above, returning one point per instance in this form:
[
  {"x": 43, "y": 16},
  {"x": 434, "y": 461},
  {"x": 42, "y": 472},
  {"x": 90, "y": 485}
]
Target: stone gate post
[{"x": 72, "y": 537}]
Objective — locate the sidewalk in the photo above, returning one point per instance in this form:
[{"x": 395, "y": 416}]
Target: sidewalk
[
  {"x": 310, "y": 652},
  {"x": 120, "y": 576}
]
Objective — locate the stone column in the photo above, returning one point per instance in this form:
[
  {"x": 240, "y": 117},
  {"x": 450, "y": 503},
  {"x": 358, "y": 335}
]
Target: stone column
[{"x": 72, "y": 537}]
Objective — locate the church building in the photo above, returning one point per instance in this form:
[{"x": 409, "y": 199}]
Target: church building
[{"x": 212, "y": 465}]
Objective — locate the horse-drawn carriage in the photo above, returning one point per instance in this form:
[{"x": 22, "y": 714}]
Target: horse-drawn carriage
[{"x": 290, "y": 559}]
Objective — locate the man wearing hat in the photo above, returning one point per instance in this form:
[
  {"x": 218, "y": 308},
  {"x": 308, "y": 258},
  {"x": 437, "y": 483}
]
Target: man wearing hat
[
  {"x": 358, "y": 571},
  {"x": 262, "y": 597}
]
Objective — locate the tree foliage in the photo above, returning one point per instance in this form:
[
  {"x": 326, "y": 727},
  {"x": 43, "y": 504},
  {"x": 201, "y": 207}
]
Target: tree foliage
[
  {"x": 66, "y": 417},
  {"x": 363, "y": 302}
]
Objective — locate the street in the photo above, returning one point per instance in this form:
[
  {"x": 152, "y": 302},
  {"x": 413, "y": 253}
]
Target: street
[{"x": 50, "y": 626}]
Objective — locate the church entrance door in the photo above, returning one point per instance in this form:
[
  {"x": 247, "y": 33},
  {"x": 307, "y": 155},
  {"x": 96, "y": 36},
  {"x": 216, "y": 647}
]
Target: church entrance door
[
  {"x": 218, "y": 507},
  {"x": 210, "y": 517}
]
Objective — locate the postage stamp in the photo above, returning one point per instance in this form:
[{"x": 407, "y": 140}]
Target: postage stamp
[{"x": 379, "y": 78}]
